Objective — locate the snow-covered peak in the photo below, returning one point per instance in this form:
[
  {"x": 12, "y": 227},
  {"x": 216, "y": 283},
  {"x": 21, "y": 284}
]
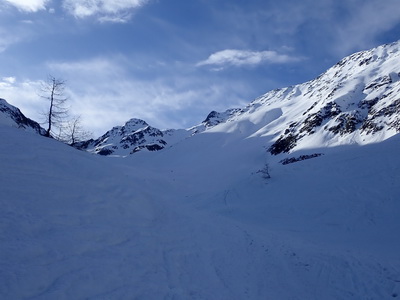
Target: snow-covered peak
[
  {"x": 134, "y": 125},
  {"x": 214, "y": 118},
  {"x": 12, "y": 116},
  {"x": 355, "y": 101},
  {"x": 134, "y": 136}
]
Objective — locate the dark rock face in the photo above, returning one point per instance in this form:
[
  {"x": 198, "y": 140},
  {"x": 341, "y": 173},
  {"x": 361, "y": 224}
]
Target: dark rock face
[
  {"x": 152, "y": 147},
  {"x": 291, "y": 160},
  {"x": 346, "y": 123},
  {"x": 19, "y": 118},
  {"x": 392, "y": 112},
  {"x": 283, "y": 144},
  {"x": 314, "y": 120},
  {"x": 105, "y": 152}
]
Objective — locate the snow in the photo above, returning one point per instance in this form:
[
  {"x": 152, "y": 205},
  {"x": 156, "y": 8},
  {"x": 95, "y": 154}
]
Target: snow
[
  {"x": 197, "y": 220},
  {"x": 188, "y": 224}
]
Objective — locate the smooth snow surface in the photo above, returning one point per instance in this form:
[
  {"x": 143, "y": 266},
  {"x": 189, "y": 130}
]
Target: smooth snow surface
[{"x": 197, "y": 221}]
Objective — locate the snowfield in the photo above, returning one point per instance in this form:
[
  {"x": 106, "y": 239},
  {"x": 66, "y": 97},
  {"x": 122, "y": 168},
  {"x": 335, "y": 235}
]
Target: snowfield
[{"x": 197, "y": 221}]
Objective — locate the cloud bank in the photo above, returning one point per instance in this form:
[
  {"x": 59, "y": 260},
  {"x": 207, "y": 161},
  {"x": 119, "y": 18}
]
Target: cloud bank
[
  {"x": 231, "y": 57},
  {"x": 104, "y": 10},
  {"x": 29, "y": 5}
]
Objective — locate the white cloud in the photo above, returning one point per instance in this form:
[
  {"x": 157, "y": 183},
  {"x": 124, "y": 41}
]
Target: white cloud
[
  {"x": 29, "y": 5},
  {"x": 104, "y": 10},
  {"x": 231, "y": 57},
  {"x": 8, "y": 80}
]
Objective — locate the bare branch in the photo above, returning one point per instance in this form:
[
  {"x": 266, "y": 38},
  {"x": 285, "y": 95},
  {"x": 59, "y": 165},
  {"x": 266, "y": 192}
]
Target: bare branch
[{"x": 73, "y": 132}]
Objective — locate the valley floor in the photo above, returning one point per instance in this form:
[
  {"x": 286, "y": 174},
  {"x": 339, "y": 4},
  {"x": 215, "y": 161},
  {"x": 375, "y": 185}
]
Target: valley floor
[{"x": 171, "y": 225}]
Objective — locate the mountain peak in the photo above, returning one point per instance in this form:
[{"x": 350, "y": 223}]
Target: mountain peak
[
  {"x": 134, "y": 136},
  {"x": 135, "y": 123}
]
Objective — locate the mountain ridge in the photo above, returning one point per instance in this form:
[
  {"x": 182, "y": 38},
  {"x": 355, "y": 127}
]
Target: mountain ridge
[
  {"x": 355, "y": 101},
  {"x": 12, "y": 116}
]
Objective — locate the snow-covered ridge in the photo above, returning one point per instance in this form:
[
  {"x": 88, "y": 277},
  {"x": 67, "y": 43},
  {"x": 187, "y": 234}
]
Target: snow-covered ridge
[
  {"x": 355, "y": 101},
  {"x": 136, "y": 135},
  {"x": 12, "y": 116}
]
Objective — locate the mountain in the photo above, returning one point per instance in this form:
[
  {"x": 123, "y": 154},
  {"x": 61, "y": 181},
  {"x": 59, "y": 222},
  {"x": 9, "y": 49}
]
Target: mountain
[
  {"x": 134, "y": 136},
  {"x": 12, "y": 116},
  {"x": 355, "y": 101},
  {"x": 137, "y": 135},
  {"x": 217, "y": 213}
]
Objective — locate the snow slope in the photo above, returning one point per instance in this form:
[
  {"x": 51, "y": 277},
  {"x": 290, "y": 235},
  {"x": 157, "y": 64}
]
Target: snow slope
[{"x": 187, "y": 224}]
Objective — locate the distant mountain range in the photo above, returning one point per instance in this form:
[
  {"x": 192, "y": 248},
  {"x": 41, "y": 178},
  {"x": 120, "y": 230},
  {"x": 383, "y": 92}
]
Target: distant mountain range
[{"x": 355, "y": 101}]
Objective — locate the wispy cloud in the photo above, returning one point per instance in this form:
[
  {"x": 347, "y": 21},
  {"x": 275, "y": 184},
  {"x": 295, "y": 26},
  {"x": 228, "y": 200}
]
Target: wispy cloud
[
  {"x": 8, "y": 38},
  {"x": 316, "y": 28},
  {"x": 29, "y": 5},
  {"x": 231, "y": 57},
  {"x": 104, "y": 10},
  {"x": 369, "y": 20},
  {"x": 92, "y": 66}
]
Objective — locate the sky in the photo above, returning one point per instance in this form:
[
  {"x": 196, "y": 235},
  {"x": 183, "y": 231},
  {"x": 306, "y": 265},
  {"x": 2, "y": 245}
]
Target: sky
[{"x": 171, "y": 62}]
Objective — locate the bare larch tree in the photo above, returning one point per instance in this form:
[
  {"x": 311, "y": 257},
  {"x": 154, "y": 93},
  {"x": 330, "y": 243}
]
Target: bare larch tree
[
  {"x": 74, "y": 132},
  {"x": 53, "y": 91}
]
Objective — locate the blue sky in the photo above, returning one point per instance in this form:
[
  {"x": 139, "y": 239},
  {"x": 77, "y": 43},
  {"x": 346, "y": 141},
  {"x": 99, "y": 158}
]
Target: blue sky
[{"x": 170, "y": 62}]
